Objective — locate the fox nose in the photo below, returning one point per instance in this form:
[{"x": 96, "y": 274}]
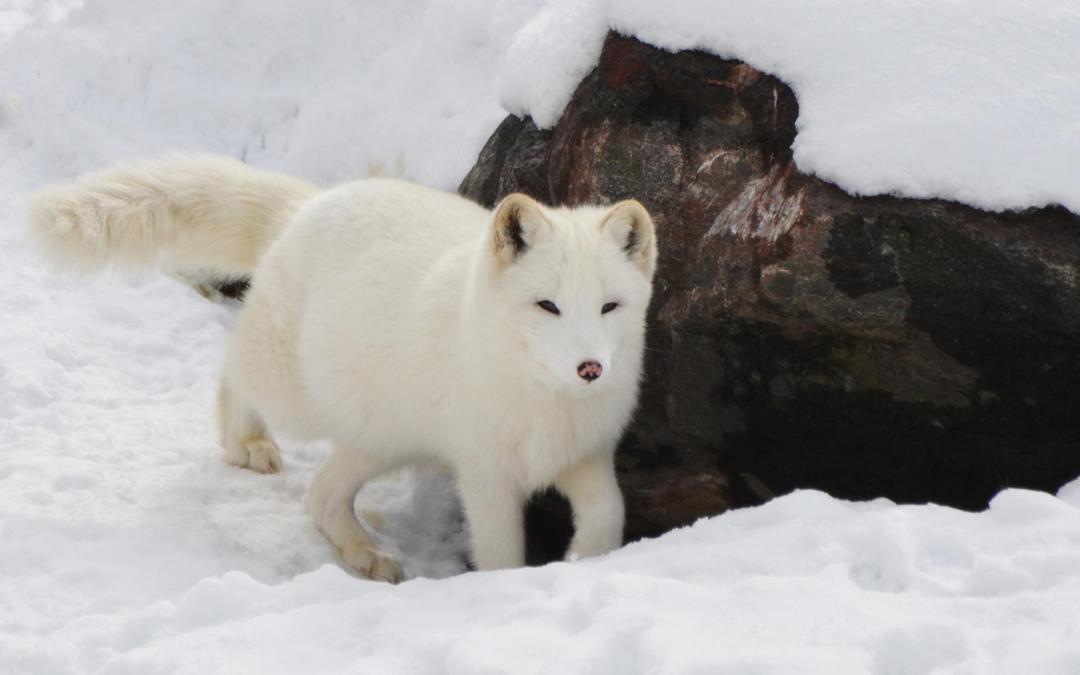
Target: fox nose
[{"x": 590, "y": 370}]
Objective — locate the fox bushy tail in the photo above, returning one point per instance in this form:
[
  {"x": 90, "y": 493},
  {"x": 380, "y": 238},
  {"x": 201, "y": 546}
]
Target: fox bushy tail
[{"x": 198, "y": 212}]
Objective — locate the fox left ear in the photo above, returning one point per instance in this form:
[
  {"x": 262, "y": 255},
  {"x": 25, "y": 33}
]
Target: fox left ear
[{"x": 629, "y": 225}]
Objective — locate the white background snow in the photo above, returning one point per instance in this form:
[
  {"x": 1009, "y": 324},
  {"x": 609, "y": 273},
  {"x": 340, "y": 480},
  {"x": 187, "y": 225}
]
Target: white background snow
[{"x": 126, "y": 546}]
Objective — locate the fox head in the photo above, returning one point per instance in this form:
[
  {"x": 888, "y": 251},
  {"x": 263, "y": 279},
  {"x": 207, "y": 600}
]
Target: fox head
[{"x": 573, "y": 285}]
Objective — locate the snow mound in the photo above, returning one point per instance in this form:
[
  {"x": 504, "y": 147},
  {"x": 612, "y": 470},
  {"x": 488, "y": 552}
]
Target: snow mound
[
  {"x": 806, "y": 584},
  {"x": 973, "y": 100},
  {"x": 1070, "y": 493}
]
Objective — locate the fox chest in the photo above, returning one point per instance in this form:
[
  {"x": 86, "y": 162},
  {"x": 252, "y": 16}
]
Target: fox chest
[{"x": 550, "y": 446}]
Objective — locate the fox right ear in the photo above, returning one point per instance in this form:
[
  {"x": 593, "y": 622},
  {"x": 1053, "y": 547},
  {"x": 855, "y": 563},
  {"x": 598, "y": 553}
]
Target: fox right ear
[
  {"x": 630, "y": 226},
  {"x": 519, "y": 223}
]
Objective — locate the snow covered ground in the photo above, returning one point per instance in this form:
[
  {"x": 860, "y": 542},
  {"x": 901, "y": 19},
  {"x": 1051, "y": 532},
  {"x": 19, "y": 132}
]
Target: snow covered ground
[{"x": 127, "y": 546}]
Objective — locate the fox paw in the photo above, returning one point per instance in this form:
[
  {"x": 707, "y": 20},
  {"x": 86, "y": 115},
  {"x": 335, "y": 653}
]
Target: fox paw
[
  {"x": 371, "y": 563},
  {"x": 258, "y": 454}
]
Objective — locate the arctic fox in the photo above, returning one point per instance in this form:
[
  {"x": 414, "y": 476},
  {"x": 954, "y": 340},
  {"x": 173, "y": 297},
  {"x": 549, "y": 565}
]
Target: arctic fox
[{"x": 404, "y": 324}]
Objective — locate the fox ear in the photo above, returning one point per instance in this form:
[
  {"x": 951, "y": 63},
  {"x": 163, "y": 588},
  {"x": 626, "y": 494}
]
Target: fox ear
[
  {"x": 630, "y": 227},
  {"x": 518, "y": 225}
]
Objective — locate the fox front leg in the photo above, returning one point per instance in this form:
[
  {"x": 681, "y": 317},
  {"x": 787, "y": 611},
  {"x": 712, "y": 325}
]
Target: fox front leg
[
  {"x": 597, "y": 504},
  {"x": 494, "y": 510}
]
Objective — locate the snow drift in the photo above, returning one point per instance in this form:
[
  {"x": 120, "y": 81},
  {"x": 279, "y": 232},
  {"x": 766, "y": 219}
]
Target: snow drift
[
  {"x": 128, "y": 547},
  {"x": 972, "y": 100}
]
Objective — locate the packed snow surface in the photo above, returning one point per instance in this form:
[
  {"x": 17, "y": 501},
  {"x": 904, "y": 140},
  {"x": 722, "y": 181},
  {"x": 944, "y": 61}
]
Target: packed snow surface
[{"x": 127, "y": 546}]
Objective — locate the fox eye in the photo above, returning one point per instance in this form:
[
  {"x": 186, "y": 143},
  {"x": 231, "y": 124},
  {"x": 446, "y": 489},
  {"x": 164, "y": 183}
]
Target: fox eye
[
  {"x": 548, "y": 306},
  {"x": 609, "y": 307}
]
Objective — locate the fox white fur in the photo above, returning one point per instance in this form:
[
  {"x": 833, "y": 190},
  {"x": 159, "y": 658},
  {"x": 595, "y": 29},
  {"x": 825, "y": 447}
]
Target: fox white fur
[{"x": 402, "y": 323}]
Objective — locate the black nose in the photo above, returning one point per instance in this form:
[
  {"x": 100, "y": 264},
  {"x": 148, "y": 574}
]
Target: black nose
[{"x": 590, "y": 370}]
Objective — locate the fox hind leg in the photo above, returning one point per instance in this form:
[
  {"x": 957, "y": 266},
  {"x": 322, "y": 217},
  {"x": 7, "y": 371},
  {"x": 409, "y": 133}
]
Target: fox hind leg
[
  {"x": 331, "y": 499},
  {"x": 244, "y": 435}
]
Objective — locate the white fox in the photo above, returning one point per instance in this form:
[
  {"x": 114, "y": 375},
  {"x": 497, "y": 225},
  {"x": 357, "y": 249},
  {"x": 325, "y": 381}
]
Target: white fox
[{"x": 405, "y": 325}]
